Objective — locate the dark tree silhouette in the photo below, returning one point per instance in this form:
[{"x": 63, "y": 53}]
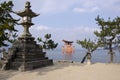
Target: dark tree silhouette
[{"x": 7, "y": 22}]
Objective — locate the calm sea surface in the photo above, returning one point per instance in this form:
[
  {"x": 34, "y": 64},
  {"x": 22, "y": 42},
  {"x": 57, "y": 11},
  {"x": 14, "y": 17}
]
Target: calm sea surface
[{"x": 99, "y": 55}]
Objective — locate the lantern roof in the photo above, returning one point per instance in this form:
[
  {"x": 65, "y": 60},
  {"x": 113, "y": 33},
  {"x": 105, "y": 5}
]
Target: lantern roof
[
  {"x": 27, "y": 11},
  {"x": 67, "y": 42}
]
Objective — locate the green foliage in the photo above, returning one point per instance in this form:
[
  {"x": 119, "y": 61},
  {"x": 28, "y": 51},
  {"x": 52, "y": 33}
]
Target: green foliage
[
  {"x": 7, "y": 22},
  {"x": 13, "y": 37},
  {"x": 108, "y": 34},
  {"x": 88, "y": 44},
  {"x": 48, "y": 43},
  {"x": 109, "y": 30},
  {"x": 48, "y": 36}
]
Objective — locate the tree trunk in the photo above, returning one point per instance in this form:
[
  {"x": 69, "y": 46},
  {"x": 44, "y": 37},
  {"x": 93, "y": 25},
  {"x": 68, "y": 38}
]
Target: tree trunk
[
  {"x": 88, "y": 56},
  {"x": 111, "y": 57},
  {"x": 83, "y": 60},
  {"x": 111, "y": 53}
]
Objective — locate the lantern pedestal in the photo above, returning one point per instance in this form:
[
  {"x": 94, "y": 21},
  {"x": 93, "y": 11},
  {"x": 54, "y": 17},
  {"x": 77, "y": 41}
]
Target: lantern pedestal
[{"x": 25, "y": 54}]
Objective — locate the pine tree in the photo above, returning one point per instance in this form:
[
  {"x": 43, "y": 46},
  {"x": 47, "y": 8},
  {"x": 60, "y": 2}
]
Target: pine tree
[
  {"x": 109, "y": 30},
  {"x": 48, "y": 43},
  {"x": 7, "y": 22},
  {"x": 90, "y": 46}
]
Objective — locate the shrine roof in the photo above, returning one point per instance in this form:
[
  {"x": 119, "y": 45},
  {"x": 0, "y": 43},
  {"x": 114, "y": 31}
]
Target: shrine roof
[{"x": 69, "y": 42}]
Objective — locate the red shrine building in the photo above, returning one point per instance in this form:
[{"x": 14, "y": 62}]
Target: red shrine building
[{"x": 67, "y": 48}]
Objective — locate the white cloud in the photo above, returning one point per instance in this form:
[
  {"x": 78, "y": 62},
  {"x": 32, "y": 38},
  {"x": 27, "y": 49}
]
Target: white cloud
[
  {"x": 41, "y": 27},
  {"x": 79, "y": 10},
  {"x": 97, "y": 5},
  {"x": 111, "y": 5},
  {"x": 56, "y": 6},
  {"x": 94, "y": 9},
  {"x": 72, "y": 33},
  {"x": 84, "y": 30},
  {"x": 85, "y": 9}
]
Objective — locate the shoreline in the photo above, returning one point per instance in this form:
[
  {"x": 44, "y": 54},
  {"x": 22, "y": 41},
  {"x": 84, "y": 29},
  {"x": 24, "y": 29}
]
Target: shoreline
[{"x": 67, "y": 71}]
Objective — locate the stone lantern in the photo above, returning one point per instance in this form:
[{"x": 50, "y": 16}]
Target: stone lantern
[
  {"x": 25, "y": 54},
  {"x": 27, "y": 14}
]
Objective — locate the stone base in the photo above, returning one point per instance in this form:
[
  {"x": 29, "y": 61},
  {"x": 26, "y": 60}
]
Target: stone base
[
  {"x": 25, "y": 55},
  {"x": 21, "y": 66}
]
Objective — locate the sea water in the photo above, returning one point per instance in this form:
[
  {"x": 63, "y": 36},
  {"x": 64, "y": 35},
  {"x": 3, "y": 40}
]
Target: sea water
[{"x": 100, "y": 55}]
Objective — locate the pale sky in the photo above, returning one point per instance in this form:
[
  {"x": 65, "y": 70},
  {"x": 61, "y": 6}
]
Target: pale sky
[{"x": 67, "y": 19}]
